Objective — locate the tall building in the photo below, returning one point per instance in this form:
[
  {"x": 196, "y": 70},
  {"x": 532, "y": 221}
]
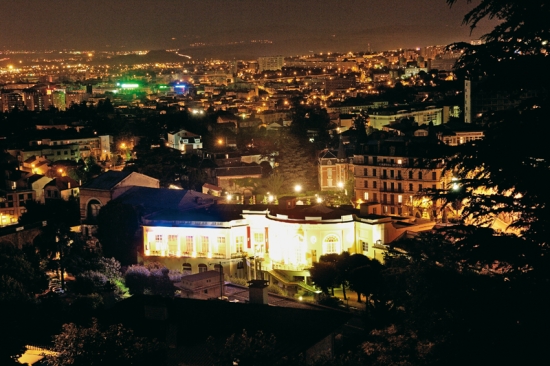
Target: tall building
[
  {"x": 391, "y": 176},
  {"x": 13, "y": 100},
  {"x": 59, "y": 100},
  {"x": 270, "y": 63}
]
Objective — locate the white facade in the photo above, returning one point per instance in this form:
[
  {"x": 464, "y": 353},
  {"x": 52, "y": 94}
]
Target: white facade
[
  {"x": 278, "y": 242},
  {"x": 422, "y": 117},
  {"x": 184, "y": 141}
]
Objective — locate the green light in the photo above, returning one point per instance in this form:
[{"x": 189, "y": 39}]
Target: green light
[
  {"x": 129, "y": 86},
  {"x": 163, "y": 87}
]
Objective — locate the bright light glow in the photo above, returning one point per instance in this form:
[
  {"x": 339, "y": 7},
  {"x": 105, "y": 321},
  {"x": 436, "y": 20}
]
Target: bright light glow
[
  {"x": 340, "y": 185},
  {"x": 229, "y": 197},
  {"x": 129, "y": 86},
  {"x": 298, "y": 188},
  {"x": 300, "y": 298},
  {"x": 454, "y": 186},
  {"x": 270, "y": 198},
  {"x": 319, "y": 200},
  {"x": 180, "y": 86}
]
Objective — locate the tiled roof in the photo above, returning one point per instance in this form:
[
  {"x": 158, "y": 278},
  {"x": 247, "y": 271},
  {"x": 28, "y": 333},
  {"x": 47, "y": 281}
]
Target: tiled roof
[
  {"x": 107, "y": 180},
  {"x": 156, "y": 199}
]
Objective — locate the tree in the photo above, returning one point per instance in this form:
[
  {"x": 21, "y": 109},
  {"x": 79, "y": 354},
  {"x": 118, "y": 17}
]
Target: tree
[
  {"x": 160, "y": 282},
  {"x": 324, "y": 275},
  {"x": 365, "y": 279},
  {"x": 274, "y": 183},
  {"x": 137, "y": 279},
  {"x": 90, "y": 282},
  {"x": 295, "y": 163},
  {"x": 20, "y": 281},
  {"x": 80, "y": 345},
  {"x": 117, "y": 226},
  {"x": 245, "y": 350}
]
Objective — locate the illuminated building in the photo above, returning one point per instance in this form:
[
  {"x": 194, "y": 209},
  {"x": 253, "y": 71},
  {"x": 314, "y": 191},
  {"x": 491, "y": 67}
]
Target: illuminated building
[
  {"x": 11, "y": 101},
  {"x": 454, "y": 138},
  {"x": 270, "y": 63},
  {"x": 99, "y": 191},
  {"x": 61, "y": 188},
  {"x": 58, "y": 100},
  {"x": 422, "y": 115},
  {"x": 339, "y": 84},
  {"x": 333, "y": 168},
  {"x": 13, "y": 204},
  {"x": 391, "y": 181},
  {"x": 185, "y": 141},
  {"x": 279, "y": 241}
]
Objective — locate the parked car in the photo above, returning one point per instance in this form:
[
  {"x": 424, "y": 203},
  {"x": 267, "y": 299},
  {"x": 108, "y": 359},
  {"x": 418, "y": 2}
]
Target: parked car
[{"x": 58, "y": 290}]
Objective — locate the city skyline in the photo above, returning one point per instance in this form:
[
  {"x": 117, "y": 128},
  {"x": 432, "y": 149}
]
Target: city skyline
[{"x": 243, "y": 28}]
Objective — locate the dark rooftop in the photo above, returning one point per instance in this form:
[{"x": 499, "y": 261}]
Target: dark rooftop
[
  {"x": 191, "y": 322},
  {"x": 107, "y": 180}
]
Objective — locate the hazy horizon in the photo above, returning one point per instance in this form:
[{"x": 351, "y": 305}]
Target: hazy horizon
[{"x": 217, "y": 26}]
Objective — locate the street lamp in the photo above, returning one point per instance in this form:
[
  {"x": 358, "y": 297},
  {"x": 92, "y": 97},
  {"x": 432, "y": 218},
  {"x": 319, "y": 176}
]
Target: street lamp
[{"x": 297, "y": 188}]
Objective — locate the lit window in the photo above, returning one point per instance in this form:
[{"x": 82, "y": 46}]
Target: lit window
[
  {"x": 205, "y": 244},
  {"x": 258, "y": 238},
  {"x": 366, "y": 196},
  {"x": 239, "y": 244},
  {"x": 219, "y": 245},
  {"x": 188, "y": 244},
  {"x": 400, "y": 198},
  {"x": 158, "y": 238},
  {"x": 331, "y": 244}
]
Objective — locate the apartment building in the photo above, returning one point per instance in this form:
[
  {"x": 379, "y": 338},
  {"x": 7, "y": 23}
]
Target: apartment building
[{"x": 391, "y": 179}]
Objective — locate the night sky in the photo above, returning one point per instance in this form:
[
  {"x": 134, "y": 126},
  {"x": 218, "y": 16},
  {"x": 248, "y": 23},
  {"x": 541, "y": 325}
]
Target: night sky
[{"x": 294, "y": 26}]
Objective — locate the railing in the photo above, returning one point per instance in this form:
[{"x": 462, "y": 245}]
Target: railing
[
  {"x": 238, "y": 255},
  {"x": 392, "y": 190},
  {"x": 286, "y": 281},
  {"x": 290, "y": 267}
]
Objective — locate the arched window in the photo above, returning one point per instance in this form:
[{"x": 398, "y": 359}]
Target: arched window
[
  {"x": 93, "y": 209},
  {"x": 187, "y": 269},
  {"x": 218, "y": 268},
  {"x": 202, "y": 268},
  {"x": 331, "y": 244}
]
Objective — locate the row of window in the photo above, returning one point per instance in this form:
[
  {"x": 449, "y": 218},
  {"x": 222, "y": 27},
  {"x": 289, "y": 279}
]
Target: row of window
[
  {"x": 392, "y": 200},
  {"x": 21, "y": 197},
  {"x": 395, "y": 174},
  {"x": 392, "y": 187},
  {"x": 203, "y": 244}
]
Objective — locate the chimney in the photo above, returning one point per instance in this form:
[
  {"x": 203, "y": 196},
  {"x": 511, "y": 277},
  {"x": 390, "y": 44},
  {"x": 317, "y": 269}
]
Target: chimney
[{"x": 257, "y": 292}]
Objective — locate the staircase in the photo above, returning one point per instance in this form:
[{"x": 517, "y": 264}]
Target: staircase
[{"x": 283, "y": 279}]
